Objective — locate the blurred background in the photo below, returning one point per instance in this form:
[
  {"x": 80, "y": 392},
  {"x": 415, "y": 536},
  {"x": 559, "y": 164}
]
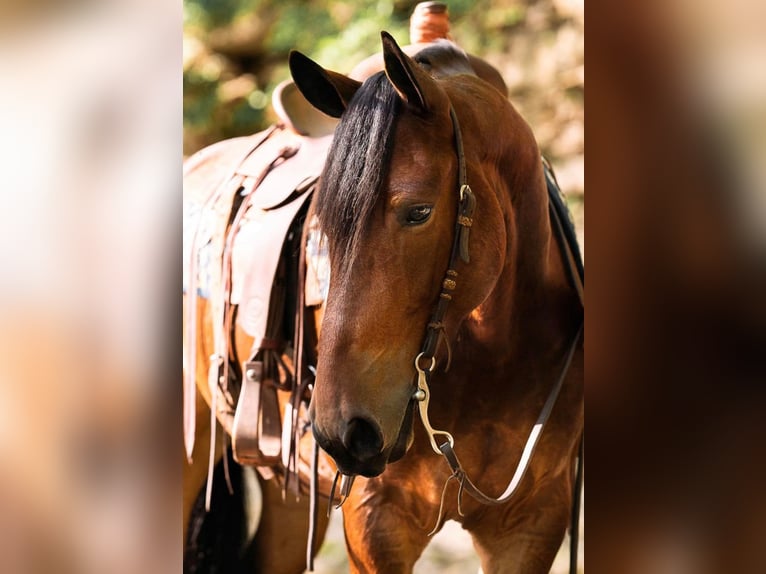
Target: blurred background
[
  {"x": 92, "y": 100},
  {"x": 90, "y": 233}
]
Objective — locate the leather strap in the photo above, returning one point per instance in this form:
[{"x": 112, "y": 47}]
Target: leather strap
[
  {"x": 276, "y": 444},
  {"x": 574, "y": 525},
  {"x": 576, "y": 274},
  {"x": 291, "y": 468},
  {"x": 313, "y": 507},
  {"x": 529, "y": 448},
  {"x": 463, "y": 223},
  {"x": 564, "y": 234}
]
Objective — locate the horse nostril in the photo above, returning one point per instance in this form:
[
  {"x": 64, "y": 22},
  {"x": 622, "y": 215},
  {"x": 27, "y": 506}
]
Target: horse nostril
[{"x": 363, "y": 439}]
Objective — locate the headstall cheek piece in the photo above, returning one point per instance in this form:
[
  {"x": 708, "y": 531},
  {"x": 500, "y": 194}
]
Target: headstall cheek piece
[{"x": 435, "y": 330}]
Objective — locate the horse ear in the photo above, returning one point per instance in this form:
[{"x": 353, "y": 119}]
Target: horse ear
[
  {"x": 409, "y": 80},
  {"x": 327, "y": 91}
]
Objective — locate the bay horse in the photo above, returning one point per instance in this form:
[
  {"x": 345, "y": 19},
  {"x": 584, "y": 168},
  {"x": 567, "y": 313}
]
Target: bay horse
[{"x": 434, "y": 203}]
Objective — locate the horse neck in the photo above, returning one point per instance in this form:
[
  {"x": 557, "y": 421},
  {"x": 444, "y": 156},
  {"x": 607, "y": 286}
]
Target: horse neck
[{"x": 527, "y": 311}]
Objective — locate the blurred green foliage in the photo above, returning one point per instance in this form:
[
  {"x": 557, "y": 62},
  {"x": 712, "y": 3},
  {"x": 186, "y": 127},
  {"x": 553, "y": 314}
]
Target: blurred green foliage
[
  {"x": 235, "y": 51},
  {"x": 229, "y": 39},
  {"x": 250, "y": 39}
]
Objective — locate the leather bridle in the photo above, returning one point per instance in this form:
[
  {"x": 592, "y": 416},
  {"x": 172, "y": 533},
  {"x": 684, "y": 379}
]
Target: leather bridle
[{"x": 463, "y": 223}]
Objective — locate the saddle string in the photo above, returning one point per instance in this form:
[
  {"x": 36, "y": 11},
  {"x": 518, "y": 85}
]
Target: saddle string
[
  {"x": 213, "y": 376},
  {"x": 313, "y": 507}
]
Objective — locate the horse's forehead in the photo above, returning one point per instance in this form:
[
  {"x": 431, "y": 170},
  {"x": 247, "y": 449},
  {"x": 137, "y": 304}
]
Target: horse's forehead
[
  {"x": 422, "y": 148},
  {"x": 431, "y": 134}
]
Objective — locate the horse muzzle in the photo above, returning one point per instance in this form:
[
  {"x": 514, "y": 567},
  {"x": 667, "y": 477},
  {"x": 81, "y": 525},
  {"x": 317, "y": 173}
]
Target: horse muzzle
[{"x": 358, "y": 446}]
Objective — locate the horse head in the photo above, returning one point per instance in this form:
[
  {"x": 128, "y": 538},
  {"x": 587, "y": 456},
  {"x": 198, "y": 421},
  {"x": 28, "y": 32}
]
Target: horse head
[{"x": 388, "y": 203}]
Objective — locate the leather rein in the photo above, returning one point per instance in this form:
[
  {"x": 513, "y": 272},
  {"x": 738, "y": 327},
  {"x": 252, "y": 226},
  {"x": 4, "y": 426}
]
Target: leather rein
[{"x": 442, "y": 442}]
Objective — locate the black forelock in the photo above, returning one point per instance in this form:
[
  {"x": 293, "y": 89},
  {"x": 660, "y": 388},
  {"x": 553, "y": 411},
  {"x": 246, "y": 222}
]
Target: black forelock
[{"x": 356, "y": 166}]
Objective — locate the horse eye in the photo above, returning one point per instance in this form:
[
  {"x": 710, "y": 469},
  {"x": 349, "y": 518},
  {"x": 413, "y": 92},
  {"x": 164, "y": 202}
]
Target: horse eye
[{"x": 419, "y": 214}]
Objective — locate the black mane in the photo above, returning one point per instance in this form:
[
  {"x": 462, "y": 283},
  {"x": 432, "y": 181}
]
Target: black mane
[{"x": 356, "y": 165}]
